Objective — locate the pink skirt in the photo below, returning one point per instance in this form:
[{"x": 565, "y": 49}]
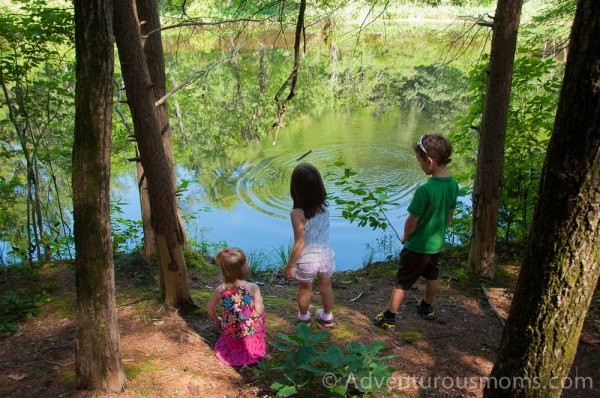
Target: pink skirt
[{"x": 241, "y": 351}]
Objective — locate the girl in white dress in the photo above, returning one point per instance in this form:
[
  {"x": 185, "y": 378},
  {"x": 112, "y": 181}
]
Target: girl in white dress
[{"x": 311, "y": 254}]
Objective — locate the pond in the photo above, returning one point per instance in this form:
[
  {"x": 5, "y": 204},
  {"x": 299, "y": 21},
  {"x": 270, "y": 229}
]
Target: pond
[
  {"x": 253, "y": 205},
  {"x": 362, "y": 105}
]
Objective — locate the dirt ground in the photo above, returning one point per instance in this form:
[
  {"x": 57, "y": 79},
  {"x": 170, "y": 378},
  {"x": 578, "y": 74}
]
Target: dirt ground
[{"x": 169, "y": 355}]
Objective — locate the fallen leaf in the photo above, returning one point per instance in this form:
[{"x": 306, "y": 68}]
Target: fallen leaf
[{"x": 17, "y": 377}]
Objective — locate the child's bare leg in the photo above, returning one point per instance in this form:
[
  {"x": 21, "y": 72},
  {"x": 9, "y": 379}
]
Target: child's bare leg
[
  {"x": 304, "y": 291},
  {"x": 431, "y": 288},
  {"x": 326, "y": 291},
  {"x": 396, "y": 299}
]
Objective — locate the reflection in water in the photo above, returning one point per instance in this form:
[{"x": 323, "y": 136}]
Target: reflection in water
[
  {"x": 249, "y": 193},
  {"x": 249, "y": 196}
]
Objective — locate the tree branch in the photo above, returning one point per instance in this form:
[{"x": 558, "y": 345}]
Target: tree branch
[
  {"x": 200, "y": 23},
  {"x": 195, "y": 76},
  {"x": 293, "y": 78}
]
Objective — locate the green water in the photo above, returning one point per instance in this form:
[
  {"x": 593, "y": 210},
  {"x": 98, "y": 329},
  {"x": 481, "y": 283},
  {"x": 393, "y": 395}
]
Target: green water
[{"x": 364, "y": 107}]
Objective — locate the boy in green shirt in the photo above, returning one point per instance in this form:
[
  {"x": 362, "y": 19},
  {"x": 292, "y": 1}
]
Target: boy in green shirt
[{"x": 430, "y": 213}]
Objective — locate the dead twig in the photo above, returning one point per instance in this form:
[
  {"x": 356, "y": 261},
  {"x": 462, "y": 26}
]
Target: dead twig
[
  {"x": 303, "y": 156},
  {"x": 59, "y": 364},
  {"x": 357, "y": 297}
]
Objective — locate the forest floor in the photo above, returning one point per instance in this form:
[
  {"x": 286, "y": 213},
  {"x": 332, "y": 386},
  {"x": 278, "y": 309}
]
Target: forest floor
[{"x": 170, "y": 355}]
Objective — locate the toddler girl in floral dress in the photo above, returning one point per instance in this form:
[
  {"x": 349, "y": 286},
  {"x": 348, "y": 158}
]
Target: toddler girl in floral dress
[{"x": 243, "y": 321}]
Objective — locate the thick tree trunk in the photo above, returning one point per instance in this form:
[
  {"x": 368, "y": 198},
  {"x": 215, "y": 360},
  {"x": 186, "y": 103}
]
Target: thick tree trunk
[
  {"x": 157, "y": 168},
  {"x": 562, "y": 266},
  {"x": 153, "y": 49},
  {"x": 490, "y": 159},
  {"x": 98, "y": 360}
]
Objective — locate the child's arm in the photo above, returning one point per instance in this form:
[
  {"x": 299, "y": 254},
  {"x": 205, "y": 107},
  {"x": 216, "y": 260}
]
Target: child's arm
[
  {"x": 258, "y": 300},
  {"x": 409, "y": 227},
  {"x": 298, "y": 221},
  {"x": 212, "y": 304},
  {"x": 450, "y": 216}
]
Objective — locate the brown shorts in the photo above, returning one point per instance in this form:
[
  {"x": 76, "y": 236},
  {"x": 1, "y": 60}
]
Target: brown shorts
[{"x": 413, "y": 265}]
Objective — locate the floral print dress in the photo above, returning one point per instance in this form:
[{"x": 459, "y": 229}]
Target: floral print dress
[{"x": 244, "y": 340}]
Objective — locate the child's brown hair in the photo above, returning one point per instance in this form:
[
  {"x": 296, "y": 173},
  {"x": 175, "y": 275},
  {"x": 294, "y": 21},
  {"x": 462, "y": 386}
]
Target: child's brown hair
[
  {"x": 231, "y": 261},
  {"x": 307, "y": 190},
  {"x": 435, "y": 146}
]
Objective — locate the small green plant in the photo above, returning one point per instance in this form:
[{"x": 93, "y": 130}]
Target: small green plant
[
  {"x": 384, "y": 248},
  {"x": 18, "y": 304},
  {"x": 282, "y": 253},
  {"x": 370, "y": 203},
  {"x": 258, "y": 260},
  {"x": 309, "y": 366}
]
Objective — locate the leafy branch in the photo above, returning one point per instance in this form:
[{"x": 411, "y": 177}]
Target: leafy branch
[{"x": 369, "y": 207}]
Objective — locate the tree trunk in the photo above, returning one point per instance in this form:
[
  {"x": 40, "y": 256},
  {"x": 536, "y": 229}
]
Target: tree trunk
[
  {"x": 155, "y": 60},
  {"x": 147, "y": 11},
  {"x": 38, "y": 207},
  {"x": 98, "y": 360},
  {"x": 149, "y": 246},
  {"x": 562, "y": 265},
  {"x": 490, "y": 159},
  {"x": 157, "y": 168}
]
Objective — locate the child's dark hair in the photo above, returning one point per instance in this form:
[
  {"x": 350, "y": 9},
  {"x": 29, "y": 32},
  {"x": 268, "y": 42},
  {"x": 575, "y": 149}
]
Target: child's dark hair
[
  {"x": 231, "y": 261},
  {"x": 434, "y": 146},
  {"x": 307, "y": 190}
]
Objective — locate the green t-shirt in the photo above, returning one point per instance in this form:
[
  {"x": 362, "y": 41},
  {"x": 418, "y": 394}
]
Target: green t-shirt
[{"x": 432, "y": 204}]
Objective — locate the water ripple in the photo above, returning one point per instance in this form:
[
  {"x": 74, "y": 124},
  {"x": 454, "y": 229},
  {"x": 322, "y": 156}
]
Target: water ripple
[{"x": 265, "y": 185}]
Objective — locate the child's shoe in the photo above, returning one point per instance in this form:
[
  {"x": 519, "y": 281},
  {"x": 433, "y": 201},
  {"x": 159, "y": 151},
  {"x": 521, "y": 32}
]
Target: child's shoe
[
  {"x": 383, "y": 322},
  {"x": 303, "y": 318},
  {"x": 323, "y": 320},
  {"x": 425, "y": 310}
]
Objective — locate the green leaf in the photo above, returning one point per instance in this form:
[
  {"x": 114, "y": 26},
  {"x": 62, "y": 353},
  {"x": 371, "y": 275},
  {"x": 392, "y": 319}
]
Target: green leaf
[
  {"x": 287, "y": 391},
  {"x": 291, "y": 339},
  {"x": 304, "y": 355},
  {"x": 276, "y": 386}
]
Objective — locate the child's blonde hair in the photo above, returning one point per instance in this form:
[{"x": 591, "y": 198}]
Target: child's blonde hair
[{"x": 231, "y": 261}]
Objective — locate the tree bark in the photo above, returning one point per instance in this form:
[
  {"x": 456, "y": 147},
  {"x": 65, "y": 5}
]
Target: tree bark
[
  {"x": 98, "y": 360},
  {"x": 157, "y": 168},
  {"x": 490, "y": 159},
  {"x": 147, "y": 11},
  {"x": 151, "y": 47},
  {"x": 561, "y": 269}
]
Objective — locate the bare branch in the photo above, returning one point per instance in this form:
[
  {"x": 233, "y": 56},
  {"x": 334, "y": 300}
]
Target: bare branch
[
  {"x": 200, "y": 23},
  {"x": 195, "y": 76},
  {"x": 293, "y": 78},
  {"x": 118, "y": 107}
]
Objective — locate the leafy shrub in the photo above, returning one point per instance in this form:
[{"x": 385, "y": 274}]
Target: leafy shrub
[
  {"x": 363, "y": 204},
  {"x": 18, "y": 304},
  {"x": 530, "y": 119},
  {"x": 309, "y": 366}
]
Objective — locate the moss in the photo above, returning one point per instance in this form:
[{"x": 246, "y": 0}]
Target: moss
[
  {"x": 67, "y": 378},
  {"x": 195, "y": 260},
  {"x": 345, "y": 332},
  {"x": 379, "y": 269},
  {"x": 278, "y": 304},
  {"x": 201, "y": 297},
  {"x": 133, "y": 370},
  {"x": 62, "y": 307},
  {"x": 411, "y": 336}
]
